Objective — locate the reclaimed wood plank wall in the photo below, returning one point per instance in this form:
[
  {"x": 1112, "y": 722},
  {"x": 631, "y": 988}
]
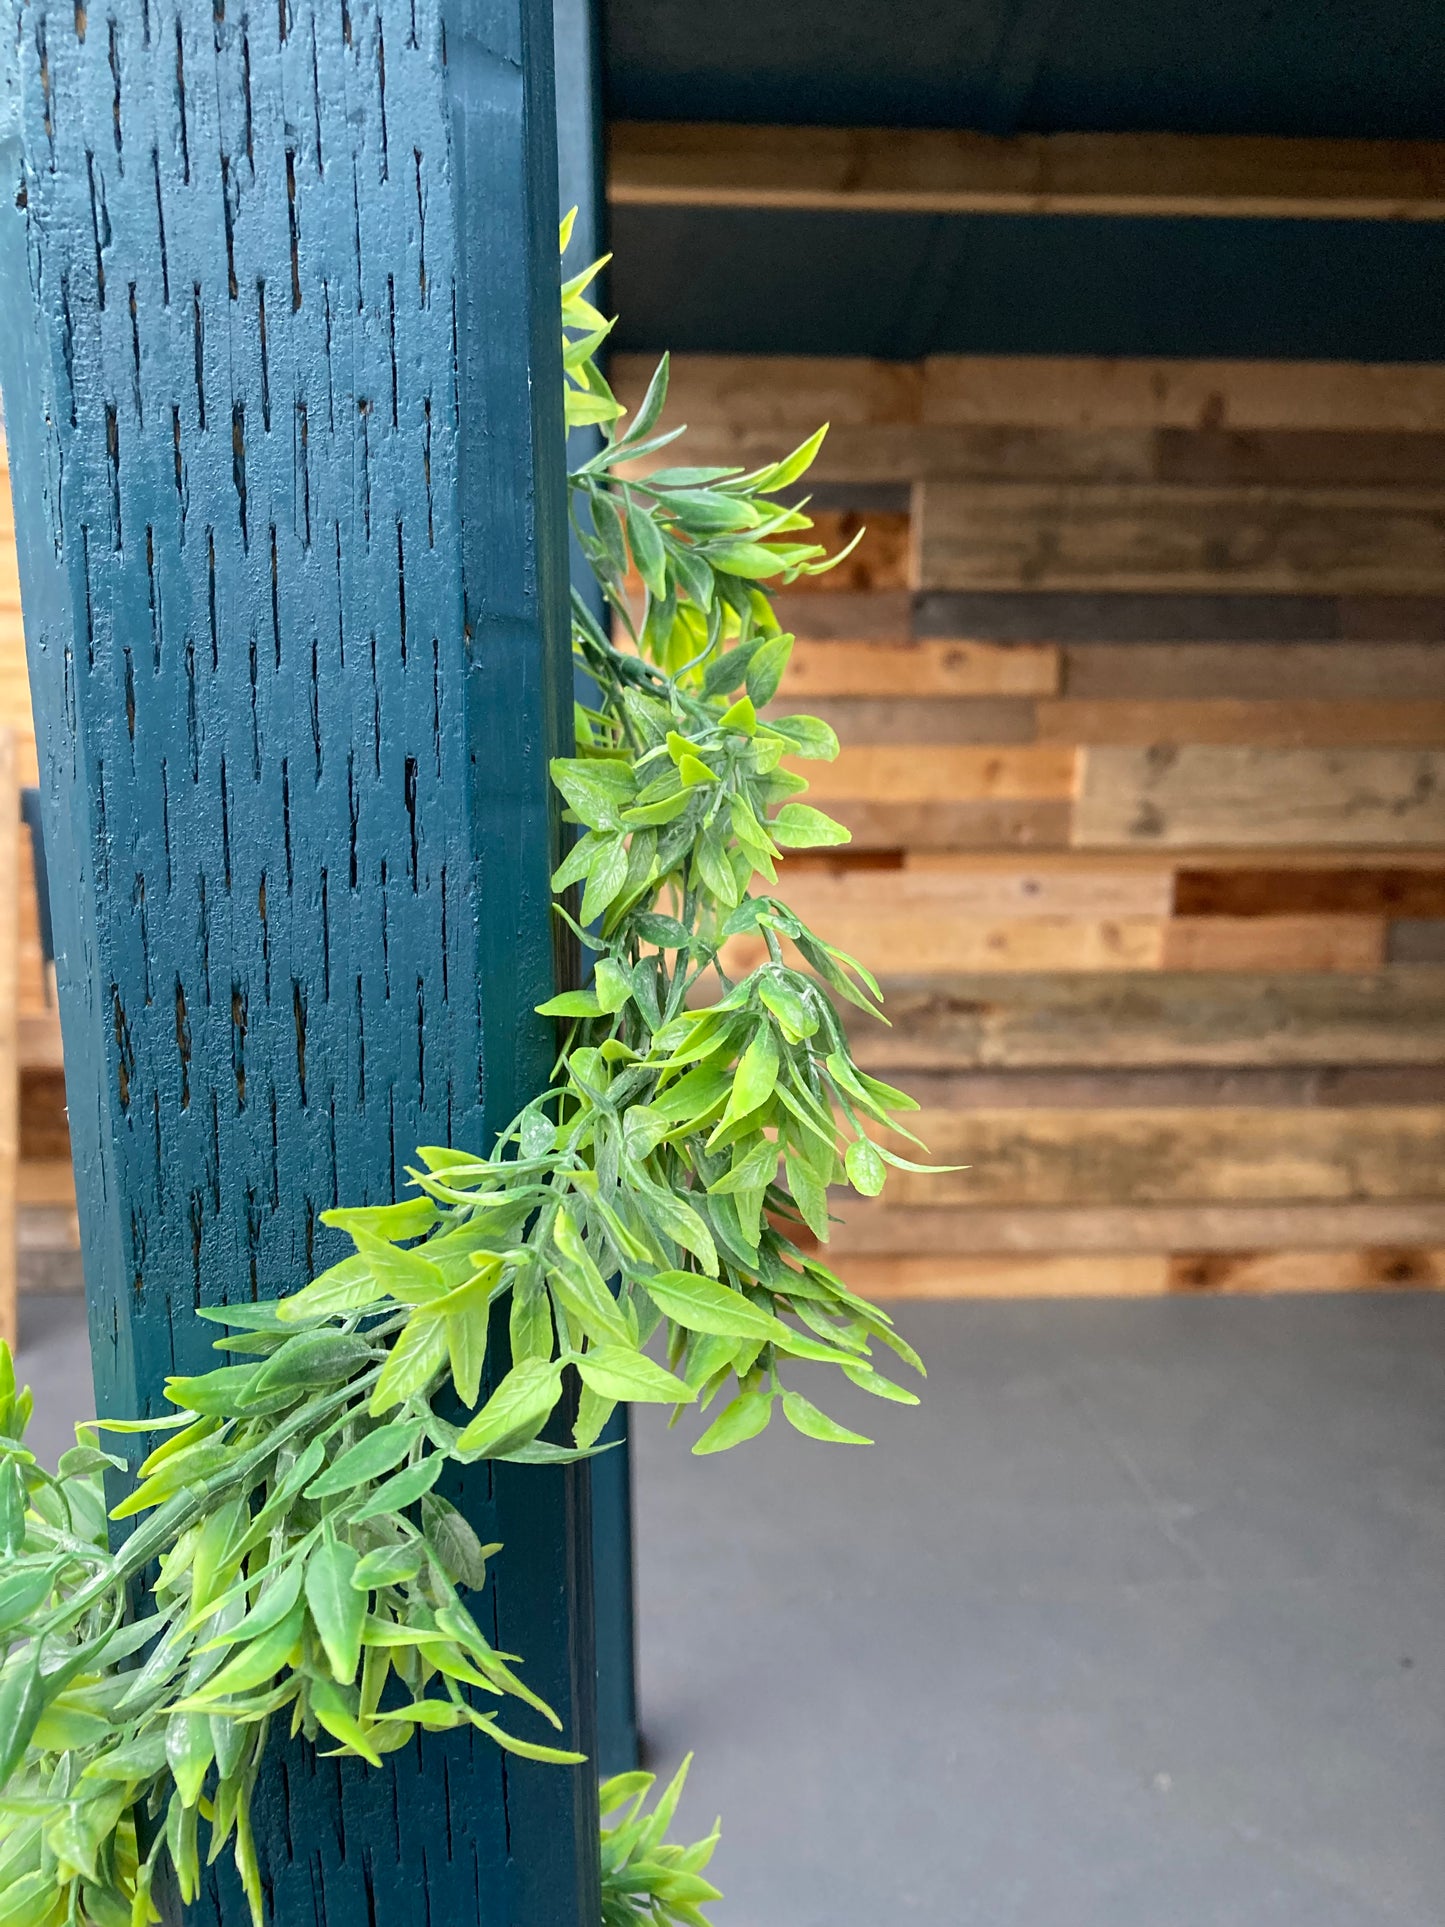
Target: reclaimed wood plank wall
[{"x": 1140, "y": 669}]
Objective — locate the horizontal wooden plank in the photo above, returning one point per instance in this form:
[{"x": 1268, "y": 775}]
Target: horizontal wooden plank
[
  {"x": 1303, "y": 722},
  {"x": 1274, "y": 943},
  {"x": 1018, "y": 535},
  {"x": 1084, "y": 886},
  {"x": 934, "y": 720},
  {"x": 1222, "y": 614},
  {"x": 783, "y": 398},
  {"x": 910, "y": 170},
  {"x": 885, "y": 1230},
  {"x": 1199, "y": 1086},
  {"x": 1142, "y": 1275},
  {"x": 932, "y": 940},
  {"x": 1298, "y": 458},
  {"x": 932, "y": 773},
  {"x": 1387, "y": 1267},
  {"x": 1010, "y": 1275},
  {"x": 1167, "y": 1156},
  {"x": 828, "y": 614},
  {"x": 1254, "y": 797},
  {"x": 1080, "y": 392},
  {"x": 995, "y": 824},
  {"x": 1416, "y": 940},
  {"x": 1388, "y": 890},
  {"x": 1396, "y": 1016},
  {"x": 1254, "y": 671},
  {"x": 50, "y": 1181},
  {"x": 854, "y": 670}
]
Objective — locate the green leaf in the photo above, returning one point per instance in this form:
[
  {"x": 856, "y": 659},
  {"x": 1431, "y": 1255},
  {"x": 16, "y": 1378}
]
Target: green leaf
[
  {"x": 866, "y": 1169},
  {"x": 868, "y": 1380},
  {"x": 408, "y": 1276},
  {"x": 605, "y": 877},
  {"x": 798, "y": 826},
  {"x": 257, "y": 1662},
  {"x": 338, "y": 1610},
  {"x": 189, "y": 1752},
  {"x": 462, "y": 1555},
  {"x": 570, "y": 1003},
  {"x": 618, "y": 1372},
  {"x": 369, "y": 1458},
  {"x": 388, "y": 1566},
  {"x": 418, "y": 1353},
  {"x": 311, "y": 1361},
  {"x": 647, "y": 550},
  {"x": 348, "y": 1286},
  {"x": 705, "y": 1305},
  {"x": 743, "y": 1419},
  {"x": 808, "y": 736},
  {"x": 21, "y": 1593},
  {"x": 805, "y": 1417},
  {"x": 410, "y": 1218},
  {"x": 518, "y": 1406},
  {"x": 756, "y": 1077},
  {"x": 402, "y": 1489},
  {"x": 527, "y": 1749},
  {"x": 334, "y": 1709},
  {"x": 765, "y": 669}
]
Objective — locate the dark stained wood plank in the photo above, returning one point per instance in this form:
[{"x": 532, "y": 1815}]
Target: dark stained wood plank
[
  {"x": 1412, "y": 892},
  {"x": 1300, "y": 458},
  {"x": 1202, "y": 1086}
]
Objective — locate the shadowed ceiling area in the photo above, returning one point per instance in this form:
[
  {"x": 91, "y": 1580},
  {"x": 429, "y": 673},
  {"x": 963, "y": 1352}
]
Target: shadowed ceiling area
[{"x": 771, "y": 280}]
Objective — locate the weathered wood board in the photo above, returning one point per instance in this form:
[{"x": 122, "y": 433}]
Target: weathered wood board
[
  {"x": 921, "y": 669},
  {"x": 1173, "y": 537},
  {"x": 1158, "y": 1155},
  {"x": 1396, "y": 1016},
  {"x": 1168, "y": 797}
]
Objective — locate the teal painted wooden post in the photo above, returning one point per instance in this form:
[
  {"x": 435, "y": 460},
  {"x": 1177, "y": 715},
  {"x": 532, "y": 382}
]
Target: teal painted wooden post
[
  {"x": 580, "y": 171},
  {"x": 278, "y": 341}
]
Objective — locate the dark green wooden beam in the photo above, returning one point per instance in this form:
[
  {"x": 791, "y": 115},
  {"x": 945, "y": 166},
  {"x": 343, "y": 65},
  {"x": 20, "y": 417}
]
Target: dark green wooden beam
[{"x": 278, "y": 341}]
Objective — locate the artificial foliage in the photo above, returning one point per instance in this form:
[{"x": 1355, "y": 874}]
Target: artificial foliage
[{"x": 288, "y": 1565}]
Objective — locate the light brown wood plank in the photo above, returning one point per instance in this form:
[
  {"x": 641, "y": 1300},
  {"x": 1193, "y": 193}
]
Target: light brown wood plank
[
  {"x": 950, "y": 171},
  {"x": 931, "y": 940},
  {"x": 1010, "y": 1275},
  {"x": 1396, "y": 1016},
  {"x": 995, "y": 824},
  {"x": 1274, "y": 943},
  {"x": 782, "y": 398},
  {"x": 989, "y": 886},
  {"x": 1163, "y": 1156},
  {"x": 1142, "y": 1275},
  {"x": 889, "y": 773},
  {"x": 1299, "y": 724},
  {"x": 877, "y": 565},
  {"x": 853, "y": 670},
  {"x": 1176, "y": 798},
  {"x": 1198, "y": 1086},
  {"x": 1366, "y": 671},
  {"x": 1387, "y": 890},
  {"x": 1116, "y": 537},
  {"x": 886, "y": 1230}
]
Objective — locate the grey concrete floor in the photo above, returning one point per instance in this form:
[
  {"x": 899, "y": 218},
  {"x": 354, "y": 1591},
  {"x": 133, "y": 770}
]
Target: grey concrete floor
[{"x": 1139, "y": 1621}]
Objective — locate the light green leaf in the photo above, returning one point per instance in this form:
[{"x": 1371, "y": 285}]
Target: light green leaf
[
  {"x": 798, "y": 826},
  {"x": 518, "y": 1406},
  {"x": 388, "y": 1566},
  {"x": 705, "y": 1305},
  {"x": 743, "y": 1419},
  {"x": 369, "y": 1458},
  {"x": 618, "y": 1372},
  {"x": 338, "y": 1610},
  {"x": 866, "y": 1169},
  {"x": 805, "y": 1417}
]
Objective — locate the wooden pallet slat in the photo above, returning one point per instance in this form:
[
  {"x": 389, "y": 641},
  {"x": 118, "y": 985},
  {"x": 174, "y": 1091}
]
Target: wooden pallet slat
[
  {"x": 1160, "y": 1155},
  {"x": 839, "y": 669},
  {"x": 1300, "y": 723},
  {"x": 1173, "y": 537},
  {"x": 1095, "y": 1020},
  {"x": 1183, "y": 797}
]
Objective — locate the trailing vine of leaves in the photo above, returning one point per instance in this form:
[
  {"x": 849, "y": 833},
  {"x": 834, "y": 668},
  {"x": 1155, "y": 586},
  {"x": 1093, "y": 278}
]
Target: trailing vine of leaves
[{"x": 292, "y": 1566}]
